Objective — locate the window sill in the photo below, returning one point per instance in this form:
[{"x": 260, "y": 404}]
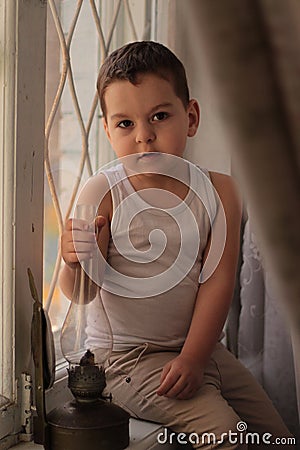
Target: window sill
[
  {"x": 143, "y": 435},
  {"x": 27, "y": 446}
]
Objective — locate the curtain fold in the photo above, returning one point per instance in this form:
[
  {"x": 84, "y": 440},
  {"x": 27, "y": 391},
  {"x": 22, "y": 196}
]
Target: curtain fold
[{"x": 264, "y": 340}]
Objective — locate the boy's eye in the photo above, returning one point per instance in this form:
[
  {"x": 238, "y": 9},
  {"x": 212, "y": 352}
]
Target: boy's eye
[
  {"x": 125, "y": 124},
  {"x": 160, "y": 116}
]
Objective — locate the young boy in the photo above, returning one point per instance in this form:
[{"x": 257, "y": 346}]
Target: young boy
[{"x": 167, "y": 365}]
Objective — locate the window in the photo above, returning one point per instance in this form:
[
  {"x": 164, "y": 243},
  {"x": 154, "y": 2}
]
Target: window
[
  {"x": 21, "y": 185},
  {"x": 73, "y": 137}
]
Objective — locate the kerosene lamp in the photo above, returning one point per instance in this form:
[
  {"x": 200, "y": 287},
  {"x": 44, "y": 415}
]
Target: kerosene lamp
[{"x": 90, "y": 421}]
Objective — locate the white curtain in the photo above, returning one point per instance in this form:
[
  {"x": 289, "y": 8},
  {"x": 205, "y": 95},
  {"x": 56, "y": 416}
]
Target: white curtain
[{"x": 264, "y": 341}]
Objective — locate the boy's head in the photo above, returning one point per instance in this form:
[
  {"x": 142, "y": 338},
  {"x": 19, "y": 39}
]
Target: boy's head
[{"x": 145, "y": 57}]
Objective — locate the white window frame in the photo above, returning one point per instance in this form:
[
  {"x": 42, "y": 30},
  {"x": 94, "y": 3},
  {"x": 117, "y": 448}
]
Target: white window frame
[{"x": 22, "y": 81}]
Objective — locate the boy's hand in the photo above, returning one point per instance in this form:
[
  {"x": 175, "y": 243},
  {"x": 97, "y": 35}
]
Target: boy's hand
[
  {"x": 181, "y": 378},
  {"x": 78, "y": 240}
]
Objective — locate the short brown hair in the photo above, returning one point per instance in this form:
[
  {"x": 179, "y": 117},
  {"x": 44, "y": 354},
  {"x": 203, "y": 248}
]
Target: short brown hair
[{"x": 142, "y": 57}]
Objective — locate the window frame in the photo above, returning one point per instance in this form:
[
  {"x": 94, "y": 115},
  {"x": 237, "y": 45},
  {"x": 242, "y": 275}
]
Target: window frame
[{"x": 22, "y": 109}]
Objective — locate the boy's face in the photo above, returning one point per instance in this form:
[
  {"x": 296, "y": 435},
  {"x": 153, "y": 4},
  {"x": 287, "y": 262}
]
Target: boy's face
[{"x": 148, "y": 117}]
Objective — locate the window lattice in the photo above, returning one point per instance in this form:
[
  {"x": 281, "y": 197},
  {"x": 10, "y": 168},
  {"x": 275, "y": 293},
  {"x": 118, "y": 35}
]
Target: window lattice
[{"x": 80, "y": 35}]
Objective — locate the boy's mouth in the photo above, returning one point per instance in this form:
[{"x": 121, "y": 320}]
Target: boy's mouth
[{"x": 148, "y": 155}]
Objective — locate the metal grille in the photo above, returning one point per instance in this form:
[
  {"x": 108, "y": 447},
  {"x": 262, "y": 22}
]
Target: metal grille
[{"x": 80, "y": 35}]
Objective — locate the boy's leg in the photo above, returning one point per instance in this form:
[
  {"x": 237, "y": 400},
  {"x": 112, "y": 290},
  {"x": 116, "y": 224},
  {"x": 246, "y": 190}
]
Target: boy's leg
[
  {"x": 205, "y": 420},
  {"x": 245, "y": 395}
]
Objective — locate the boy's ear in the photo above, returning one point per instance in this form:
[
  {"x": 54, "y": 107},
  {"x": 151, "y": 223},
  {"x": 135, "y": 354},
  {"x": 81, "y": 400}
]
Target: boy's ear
[
  {"x": 106, "y": 128},
  {"x": 193, "y": 111}
]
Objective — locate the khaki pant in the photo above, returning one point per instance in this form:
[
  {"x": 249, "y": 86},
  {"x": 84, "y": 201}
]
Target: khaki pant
[{"x": 229, "y": 404}]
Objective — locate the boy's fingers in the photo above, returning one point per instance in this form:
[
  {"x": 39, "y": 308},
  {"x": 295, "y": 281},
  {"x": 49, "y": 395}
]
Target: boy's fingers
[
  {"x": 69, "y": 225},
  {"x": 82, "y": 247},
  {"x": 100, "y": 221},
  {"x": 164, "y": 373},
  {"x": 83, "y": 225},
  {"x": 76, "y": 224},
  {"x": 84, "y": 256},
  {"x": 169, "y": 381},
  {"x": 78, "y": 257},
  {"x": 83, "y": 236},
  {"x": 177, "y": 389},
  {"x": 166, "y": 385},
  {"x": 79, "y": 240}
]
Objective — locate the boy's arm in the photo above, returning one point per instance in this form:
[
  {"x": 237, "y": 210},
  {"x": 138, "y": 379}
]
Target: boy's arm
[
  {"x": 76, "y": 229},
  {"x": 69, "y": 254},
  {"x": 67, "y": 275},
  {"x": 182, "y": 377}
]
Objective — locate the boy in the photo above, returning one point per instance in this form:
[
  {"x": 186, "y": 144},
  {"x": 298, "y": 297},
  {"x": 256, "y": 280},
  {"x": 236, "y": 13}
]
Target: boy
[{"x": 167, "y": 364}]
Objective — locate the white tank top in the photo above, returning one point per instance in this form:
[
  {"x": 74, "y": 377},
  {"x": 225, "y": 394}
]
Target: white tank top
[{"x": 154, "y": 264}]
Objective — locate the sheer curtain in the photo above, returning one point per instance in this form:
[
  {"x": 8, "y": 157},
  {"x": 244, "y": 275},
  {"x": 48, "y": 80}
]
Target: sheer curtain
[{"x": 264, "y": 339}]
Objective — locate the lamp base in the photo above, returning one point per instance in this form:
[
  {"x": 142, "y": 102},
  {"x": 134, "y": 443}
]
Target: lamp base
[{"x": 93, "y": 426}]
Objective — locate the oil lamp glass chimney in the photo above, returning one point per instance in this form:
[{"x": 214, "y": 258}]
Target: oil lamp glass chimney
[{"x": 86, "y": 357}]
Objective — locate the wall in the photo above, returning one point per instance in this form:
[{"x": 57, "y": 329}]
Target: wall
[{"x": 209, "y": 147}]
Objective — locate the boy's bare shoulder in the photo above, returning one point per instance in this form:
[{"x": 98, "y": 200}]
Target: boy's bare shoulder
[
  {"x": 96, "y": 191},
  {"x": 218, "y": 178},
  {"x": 227, "y": 190},
  {"x": 222, "y": 182}
]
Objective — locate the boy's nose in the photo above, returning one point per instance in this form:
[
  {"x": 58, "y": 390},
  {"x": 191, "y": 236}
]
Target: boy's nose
[{"x": 145, "y": 135}]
